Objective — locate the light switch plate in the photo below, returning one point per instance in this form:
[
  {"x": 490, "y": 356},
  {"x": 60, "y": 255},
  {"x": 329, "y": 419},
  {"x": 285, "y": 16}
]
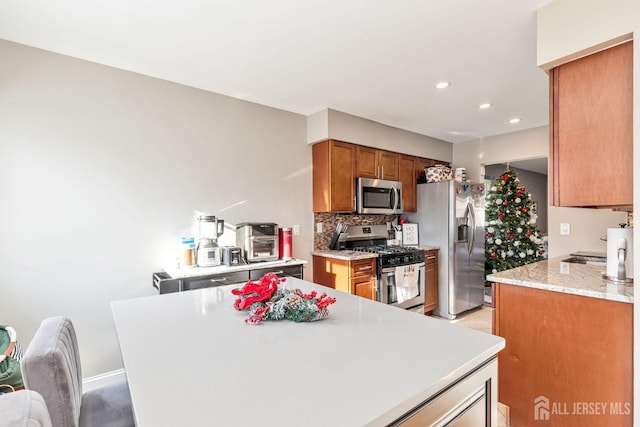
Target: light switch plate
[
  {"x": 296, "y": 230},
  {"x": 565, "y": 228},
  {"x": 319, "y": 227}
]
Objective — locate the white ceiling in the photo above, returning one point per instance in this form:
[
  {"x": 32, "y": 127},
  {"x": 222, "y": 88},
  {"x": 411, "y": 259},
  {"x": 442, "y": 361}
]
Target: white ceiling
[{"x": 371, "y": 58}]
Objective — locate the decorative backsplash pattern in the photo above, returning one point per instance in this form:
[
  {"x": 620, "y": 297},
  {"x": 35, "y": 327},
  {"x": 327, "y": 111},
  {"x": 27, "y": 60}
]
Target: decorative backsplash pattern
[{"x": 330, "y": 220}]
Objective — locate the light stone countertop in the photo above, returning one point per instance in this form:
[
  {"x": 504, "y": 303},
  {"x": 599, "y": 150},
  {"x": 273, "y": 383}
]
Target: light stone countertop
[
  {"x": 344, "y": 254},
  {"x": 349, "y": 255},
  {"x": 282, "y": 373},
  {"x": 555, "y": 275}
]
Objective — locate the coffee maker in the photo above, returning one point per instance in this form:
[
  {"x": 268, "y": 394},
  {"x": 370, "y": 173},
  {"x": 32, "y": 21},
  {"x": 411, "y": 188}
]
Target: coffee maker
[{"x": 207, "y": 251}]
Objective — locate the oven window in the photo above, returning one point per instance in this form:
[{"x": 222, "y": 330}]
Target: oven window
[
  {"x": 264, "y": 247},
  {"x": 375, "y": 197}
]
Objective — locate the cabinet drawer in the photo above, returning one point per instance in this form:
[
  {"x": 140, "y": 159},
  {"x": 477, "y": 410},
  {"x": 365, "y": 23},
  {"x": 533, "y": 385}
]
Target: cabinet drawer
[
  {"x": 215, "y": 280},
  {"x": 293, "y": 271},
  {"x": 363, "y": 267},
  {"x": 431, "y": 257}
]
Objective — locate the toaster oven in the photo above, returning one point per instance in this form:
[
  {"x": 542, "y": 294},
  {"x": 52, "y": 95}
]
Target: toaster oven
[{"x": 258, "y": 241}]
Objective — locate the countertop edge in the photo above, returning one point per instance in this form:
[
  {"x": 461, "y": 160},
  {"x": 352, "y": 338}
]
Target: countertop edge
[
  {"x": 349, "y": 255},
  {"x": 557, "y": 276},
  {"x": 419, "y": 398}
]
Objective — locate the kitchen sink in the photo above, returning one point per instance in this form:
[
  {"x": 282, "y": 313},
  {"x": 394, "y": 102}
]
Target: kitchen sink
[{"x": 588, "y": 260}]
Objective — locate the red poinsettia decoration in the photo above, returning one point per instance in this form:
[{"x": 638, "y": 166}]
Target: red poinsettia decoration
[
  {"x": 255, "y": 292},
  {"x": 265, "y": 301}
]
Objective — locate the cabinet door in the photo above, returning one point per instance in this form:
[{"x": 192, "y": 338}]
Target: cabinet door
[
  {"x": 342, "y": 179},
  {"x": 592, "y": 129},
  {"x": 331, "y": 272},
  {"x": 408, "y": 179},
  {"x": 388, "y": 165},
  {"x": 364, "y": 287},
  {"x": 366, "y": 162},
  {"x": 431, "y": 281},
  {"x": 333, "y": 177}
]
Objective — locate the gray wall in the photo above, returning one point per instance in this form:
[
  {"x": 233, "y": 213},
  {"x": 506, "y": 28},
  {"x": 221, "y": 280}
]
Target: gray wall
[
  {"x": 346, "y": 127},
  {"x": 101, "y": 172},
  {"x": 536, "y": 185}
]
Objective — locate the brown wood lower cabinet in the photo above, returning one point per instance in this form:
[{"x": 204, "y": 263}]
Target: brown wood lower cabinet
[
  {"x": 431, "y": 281},
  {"x": 357, "y": 277},
  {"x": 567, "y": 357}
]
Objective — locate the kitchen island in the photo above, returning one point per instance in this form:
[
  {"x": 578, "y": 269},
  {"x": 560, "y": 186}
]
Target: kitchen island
[
  {"x": 191, "y": 360},
  {"x": 568, "y": 348}
]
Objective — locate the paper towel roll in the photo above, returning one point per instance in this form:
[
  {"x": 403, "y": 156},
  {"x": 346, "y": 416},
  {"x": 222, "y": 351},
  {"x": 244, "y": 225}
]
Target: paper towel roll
[{"x": 614, "y": 236}]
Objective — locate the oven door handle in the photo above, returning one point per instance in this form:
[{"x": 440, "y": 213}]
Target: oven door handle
[{"x": 393, "y": 269}]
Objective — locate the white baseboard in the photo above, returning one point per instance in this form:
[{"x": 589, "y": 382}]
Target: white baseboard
[{"x": 100, "y": 380}]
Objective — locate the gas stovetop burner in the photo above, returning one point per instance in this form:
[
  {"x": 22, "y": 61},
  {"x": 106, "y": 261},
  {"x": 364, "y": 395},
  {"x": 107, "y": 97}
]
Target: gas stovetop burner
[{"x": 386, "y": 250}]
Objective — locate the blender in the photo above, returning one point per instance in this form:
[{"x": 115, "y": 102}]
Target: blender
[{"x": 209, "y": 229}]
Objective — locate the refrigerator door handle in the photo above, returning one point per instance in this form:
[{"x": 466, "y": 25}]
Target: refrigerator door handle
[{"x": 472, "y": 228}]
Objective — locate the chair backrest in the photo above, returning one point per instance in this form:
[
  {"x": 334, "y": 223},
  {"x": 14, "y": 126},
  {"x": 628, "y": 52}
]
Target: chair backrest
[
  {"x": 51, "y": 366},
  {"x": 24, "y": 408}
]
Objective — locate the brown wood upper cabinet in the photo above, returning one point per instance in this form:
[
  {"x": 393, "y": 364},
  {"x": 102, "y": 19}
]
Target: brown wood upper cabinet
[
  {"x": 376, "y": 164},
  {"x": 408, "y": 177},
  {"x": 591, "y": 130},
  {"x": 333, "y": 176}
]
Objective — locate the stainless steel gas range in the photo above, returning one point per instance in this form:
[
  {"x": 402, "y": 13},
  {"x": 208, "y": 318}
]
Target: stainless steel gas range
[{"x": 400, "y": 269}]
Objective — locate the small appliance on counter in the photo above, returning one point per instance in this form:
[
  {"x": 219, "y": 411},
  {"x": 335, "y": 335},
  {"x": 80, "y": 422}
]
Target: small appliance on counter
[
  {"x": 207, "y": 251},
  {"x": 258, "y": 241},
  {"x": 285, "y": 239},
  {"x": 232, "y": 256},
  {"x": 619, "y": 255}
]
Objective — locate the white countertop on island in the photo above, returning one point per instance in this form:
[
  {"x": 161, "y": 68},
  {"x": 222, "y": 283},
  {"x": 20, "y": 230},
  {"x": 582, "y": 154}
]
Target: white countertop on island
[
  {"x": 558, "y": 276},
  {"x": 191, "y": 360}
]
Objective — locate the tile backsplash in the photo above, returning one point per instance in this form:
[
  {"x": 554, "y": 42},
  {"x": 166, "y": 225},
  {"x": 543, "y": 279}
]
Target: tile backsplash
[{"x": 330, "y": 220}]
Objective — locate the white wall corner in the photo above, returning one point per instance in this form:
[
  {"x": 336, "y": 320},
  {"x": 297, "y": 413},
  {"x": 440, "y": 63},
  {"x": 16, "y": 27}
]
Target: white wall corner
[{"x": 318, "y": 126}]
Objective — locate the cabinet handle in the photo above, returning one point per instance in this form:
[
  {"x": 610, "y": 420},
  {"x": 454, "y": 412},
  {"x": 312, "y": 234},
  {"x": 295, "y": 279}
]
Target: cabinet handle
[
  {"x": 278, "y": 272},
  {"x": 381, "y": 172},
  {"x": 224, "y": 279},
  {"x": 363, "y": 268},
  {"x": 431, "y": 257}
]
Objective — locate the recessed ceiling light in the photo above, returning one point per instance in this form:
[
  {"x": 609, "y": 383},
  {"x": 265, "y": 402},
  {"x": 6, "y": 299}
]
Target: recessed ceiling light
[
  {"x": 484, "y": 106},
  {"x": 442, "y": 85},
  {"x": 514, "y": 120}
]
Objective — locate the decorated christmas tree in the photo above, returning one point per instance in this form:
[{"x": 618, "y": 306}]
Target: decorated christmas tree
[{"x": 512, "y": 237}]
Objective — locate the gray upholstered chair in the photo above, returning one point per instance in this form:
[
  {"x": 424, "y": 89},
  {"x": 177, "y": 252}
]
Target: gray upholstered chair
[
  {"x": 24, "y": 408},
  {"x": 51, "y": 366}
]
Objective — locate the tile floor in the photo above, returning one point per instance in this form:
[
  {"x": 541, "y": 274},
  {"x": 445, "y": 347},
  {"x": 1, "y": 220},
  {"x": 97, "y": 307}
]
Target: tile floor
[{"x": 481, "y": 319}]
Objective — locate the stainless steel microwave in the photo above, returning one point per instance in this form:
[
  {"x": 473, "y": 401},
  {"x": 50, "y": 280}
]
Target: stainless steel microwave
[{"x": 378, "y": 196}]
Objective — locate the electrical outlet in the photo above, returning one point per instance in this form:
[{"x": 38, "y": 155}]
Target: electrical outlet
[
  {"x": 296, "y": 230},
  {"x": 565, "y": 228},
  {"x": 319, "y": 227}
]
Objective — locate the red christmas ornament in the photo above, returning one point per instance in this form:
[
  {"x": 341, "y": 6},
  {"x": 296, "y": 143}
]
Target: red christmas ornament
[
  {"x": 505, "y": 203},
  {"x": 528, "y": 233},
  {"x": 524, "y": 209},
  {"x": 505, "y": 177},
  {"x": 493, "y": 254},
  {"x": 488, "y": 235},
  {"x": 500, "y": 215}
]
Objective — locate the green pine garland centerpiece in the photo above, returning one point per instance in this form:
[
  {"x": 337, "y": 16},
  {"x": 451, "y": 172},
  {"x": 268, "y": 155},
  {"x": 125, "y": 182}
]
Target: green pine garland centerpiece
[{"x": 511, "y": 234}]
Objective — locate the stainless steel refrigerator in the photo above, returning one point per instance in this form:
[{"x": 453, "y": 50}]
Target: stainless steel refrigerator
[{"x": 451, "y": 215}]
